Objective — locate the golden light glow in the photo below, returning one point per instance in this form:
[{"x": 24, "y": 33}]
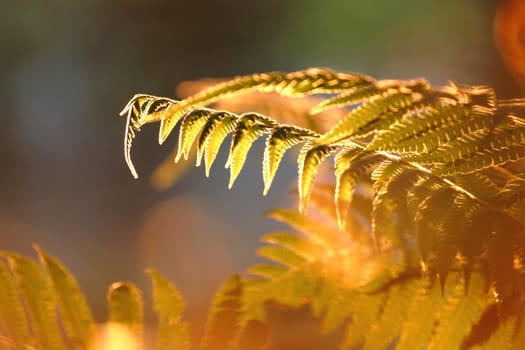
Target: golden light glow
[{"x": 113, "y": 336}]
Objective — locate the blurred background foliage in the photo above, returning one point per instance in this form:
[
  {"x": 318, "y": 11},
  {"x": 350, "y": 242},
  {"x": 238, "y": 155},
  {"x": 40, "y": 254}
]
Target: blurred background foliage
[{"x": 69, "y": 67}]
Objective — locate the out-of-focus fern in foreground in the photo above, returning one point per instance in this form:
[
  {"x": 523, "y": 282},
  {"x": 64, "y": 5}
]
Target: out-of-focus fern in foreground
[{"x": 42, "y": 307}]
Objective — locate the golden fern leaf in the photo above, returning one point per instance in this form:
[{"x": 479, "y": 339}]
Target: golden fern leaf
[
  {"x": 482, "y": 160},
  {"x": 422, "y": 316},
  {"x": 483, "y": 186},
  {"x": 384, "y": 172},
  {"x": 223, "y": 315},
  {"x": 172, "y": 332},
  {"x": 394, "y": 312},
  {"x": 36, "y": 293},
  {"x": 480, "y": 148},
  {"x": 448, "y": 235},
  {"x": 430, "y": 139},
  {"x": 513, "y": 191},
  {"x": 365, "y": 114},
  {"x": 444, "y": 167},
  {"x": 12, "y": 315},
  {"x": 319, "y": 232},
  {"x": 413, "y": 126},
  {"x": 292, "y": 84},
  {"x": 349, "y": 97},
  {"x": 310, "y": 157},
  {"x": 189, "y": 130},
  {"x": 76, "y": 316},
  {"x": 366, "y": 312},
  {"x": 392, "y": 181},
  {"x": 249, "y": 128},
  {"x": 348, "y": 170},
  {"x": 280, "y": 140},
  {"x": 428, "y": 217},
  {"x": 140, "y": 110},
  {"x": 385, "y": 231},
  {"x": 337, "y": 309},
  {"x": 283, "y": 257},
  {"x": 461, "y": 310},
  {"x": 215, "y": 138},
  {"x": 30, "y": 298},
  {"x": 421, "y": 190},
  {"x": 213, "y": 121},
  {"x": 312, "y": 267}
]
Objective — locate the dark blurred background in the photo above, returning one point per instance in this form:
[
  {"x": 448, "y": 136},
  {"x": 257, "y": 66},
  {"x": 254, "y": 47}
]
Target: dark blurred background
[{"x": 68, "y": 68}]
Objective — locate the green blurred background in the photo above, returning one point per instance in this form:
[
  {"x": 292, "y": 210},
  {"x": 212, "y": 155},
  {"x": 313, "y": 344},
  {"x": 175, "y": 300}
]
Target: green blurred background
[{"x": 68, "y": 68}]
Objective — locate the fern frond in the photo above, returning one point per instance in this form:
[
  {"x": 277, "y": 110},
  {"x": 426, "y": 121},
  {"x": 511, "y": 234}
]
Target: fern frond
[
  {"x": 310, "y": 157},
  {"x": 432, "y": 138},
  {"x": 366, "y": 312},
  {"x": 482, "y": 160},
  {"x": 386, "y": 231},
  {"x": 460, "y": 311},
  {"x": 213, "y": 136},
  {"x": 142, "y": 109},
  {"x": 421, "y": 317},
  {"x": 337, "y": 310},
  {"x": 513, "y": 191},
  {"x": 428, "y": 217},
  {"x": 454, "y": 123},
  {"x": 449, "y": 234},
  {"x": 36, "y": 292},
  {"x": 480, "y": 148},
  {"x": 172, "y": 332},
  {"x": 348, "y": 170},
  {"x": 31, "y": 296},
  {"x": 426, "y": 123},
  {"x": 281, "y": 139},
  {"x": 421, "y": 190},
  {"x": 292, "y": 242},
  {"x": 481, "y": 185},
  {"x": 211, "y": 123},
  {"x": 278, "y": 255},
  {"x": 138, "y": 110},
  {"x": 312, "y": 267},
  {"x": 12, "y": 315},
  {"x": 392, "y": 181},
  {"x": 434, "y": 174},
  {"x": 350, "y": 97},
  {"x": 190, "y": 129},
  {"x": 223, "y": 315},
  {"x": 76, "y": 316},
  {"x": 249, "y": 128},
  {"x": 126, "y": 308},
  {"x": 394, "y": 312},
  {"x": 366, "y": 113},
  {"x": 314, "y": 229}
]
